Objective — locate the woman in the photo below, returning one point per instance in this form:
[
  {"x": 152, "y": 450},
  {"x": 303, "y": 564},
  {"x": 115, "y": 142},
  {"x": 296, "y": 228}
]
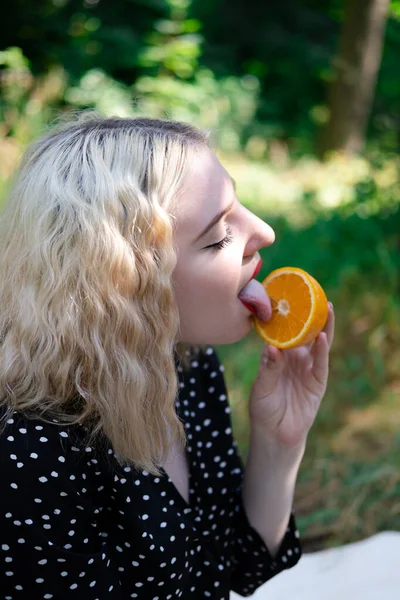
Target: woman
[{"x": 124, "y": 251}]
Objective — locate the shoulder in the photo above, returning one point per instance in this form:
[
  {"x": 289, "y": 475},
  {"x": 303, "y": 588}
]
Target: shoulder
[
  {"x": 55, "y": 489},
  {"x": 203, "y": 369},
  {"x": 202, "y": 390},
  {"x": 37, "y": 455},
  {"x": 204, "y": 359}
]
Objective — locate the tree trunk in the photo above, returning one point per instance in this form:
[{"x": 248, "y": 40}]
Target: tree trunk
[{"x": 356, "y": 67}]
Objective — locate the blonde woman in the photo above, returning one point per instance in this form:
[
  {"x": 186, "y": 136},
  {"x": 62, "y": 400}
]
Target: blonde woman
[{"x": 124, "y": 256}]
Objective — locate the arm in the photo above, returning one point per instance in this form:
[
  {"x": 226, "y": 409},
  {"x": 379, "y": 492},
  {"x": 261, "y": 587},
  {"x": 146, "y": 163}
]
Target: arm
[
  {"x": 242, "y": 549},
  {"x": 284, "y": 401},
  {"x": 254, "y": 558},
  {"x": 268, "y": 488}
]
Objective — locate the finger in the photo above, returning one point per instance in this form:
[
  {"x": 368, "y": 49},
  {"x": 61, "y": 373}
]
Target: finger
[
  {"x": 300, "y": 352},
  {"x": 269, "y": 371},
  {"x": 329, "y": 328},
  {"x": 320, "y": 353},
  {"x": 271, "y": 357}
]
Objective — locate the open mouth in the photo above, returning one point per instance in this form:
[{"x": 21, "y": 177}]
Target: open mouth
[
  {"x": 249, "y": 307},
  {"x": 254, "y": 297}
]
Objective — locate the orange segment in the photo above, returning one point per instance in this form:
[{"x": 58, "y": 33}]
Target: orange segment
[{"x": 299, "y": 308}]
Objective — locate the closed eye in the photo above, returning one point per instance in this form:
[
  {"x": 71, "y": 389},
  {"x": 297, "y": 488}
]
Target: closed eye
[{"x": 222, "y": 243}]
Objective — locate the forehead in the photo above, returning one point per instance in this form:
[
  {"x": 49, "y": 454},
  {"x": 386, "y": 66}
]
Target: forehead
[{"x": 207, "y": 189}]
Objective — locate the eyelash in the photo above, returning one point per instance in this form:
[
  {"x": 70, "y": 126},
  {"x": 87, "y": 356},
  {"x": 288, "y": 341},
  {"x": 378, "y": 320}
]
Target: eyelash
[{"x": 222, "y": 243}]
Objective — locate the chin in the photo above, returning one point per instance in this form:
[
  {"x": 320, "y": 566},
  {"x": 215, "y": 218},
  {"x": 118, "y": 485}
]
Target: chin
[
  {"x": 232, "y": 335},
  {"x": 240, "y": 335},
  {"x": 226, "y": 333}
]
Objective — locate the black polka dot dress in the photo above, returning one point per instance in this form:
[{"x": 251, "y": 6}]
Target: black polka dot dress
[{"x": 74, "y": 524}]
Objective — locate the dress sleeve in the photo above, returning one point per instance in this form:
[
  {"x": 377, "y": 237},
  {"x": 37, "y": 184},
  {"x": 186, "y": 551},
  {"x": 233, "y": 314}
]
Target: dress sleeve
[
  {"x": 251, "y": 559},
  {"x": 251, "y": 562},
  {"x": 52, "y": 504}
]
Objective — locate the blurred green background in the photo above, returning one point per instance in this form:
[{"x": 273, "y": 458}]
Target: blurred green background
[{"x": 303, "y": 100}]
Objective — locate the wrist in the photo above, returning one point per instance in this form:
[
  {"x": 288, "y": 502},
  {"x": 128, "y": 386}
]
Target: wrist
[{"x": 267, "y": 445}]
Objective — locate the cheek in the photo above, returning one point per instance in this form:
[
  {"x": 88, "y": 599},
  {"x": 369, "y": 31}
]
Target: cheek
[
  {"x": 192, "y": 291},
  {"x": 206, "y": 296},
  {"x": 210, "y": 279}
]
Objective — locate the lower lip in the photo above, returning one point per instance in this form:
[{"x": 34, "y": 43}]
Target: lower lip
[{"x": 249, "y": 307}]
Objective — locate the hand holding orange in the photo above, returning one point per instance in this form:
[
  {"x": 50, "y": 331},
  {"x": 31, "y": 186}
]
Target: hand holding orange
[{"x": 299, "y": 309}]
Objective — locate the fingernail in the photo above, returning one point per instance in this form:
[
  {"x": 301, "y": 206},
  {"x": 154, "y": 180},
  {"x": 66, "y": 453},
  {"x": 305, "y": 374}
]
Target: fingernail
[{"x": 330, "y": 304}]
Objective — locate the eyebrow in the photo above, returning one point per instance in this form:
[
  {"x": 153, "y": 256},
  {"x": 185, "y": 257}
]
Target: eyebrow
[{"x": 217, "y": 217}]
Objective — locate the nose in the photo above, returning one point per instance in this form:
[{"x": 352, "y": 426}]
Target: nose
[{"x": 260, "y": 234}]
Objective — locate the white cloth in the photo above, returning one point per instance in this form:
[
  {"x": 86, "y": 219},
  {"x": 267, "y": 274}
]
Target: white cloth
[{"x": 365, "y": 570}]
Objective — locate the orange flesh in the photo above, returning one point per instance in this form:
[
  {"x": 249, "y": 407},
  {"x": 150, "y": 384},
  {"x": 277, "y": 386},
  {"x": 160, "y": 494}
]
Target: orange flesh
[{"x": 297, "y": 295}]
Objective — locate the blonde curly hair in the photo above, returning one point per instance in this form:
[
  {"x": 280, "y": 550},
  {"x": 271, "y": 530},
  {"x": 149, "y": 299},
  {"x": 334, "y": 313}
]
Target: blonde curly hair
[{"x": 88, "y": 321}]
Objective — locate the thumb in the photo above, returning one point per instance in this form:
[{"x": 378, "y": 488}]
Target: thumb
[{"x": 269, "y": 371}]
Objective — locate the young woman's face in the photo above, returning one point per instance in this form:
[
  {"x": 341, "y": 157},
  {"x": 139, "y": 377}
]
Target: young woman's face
[{"x": 214, "y": 262}]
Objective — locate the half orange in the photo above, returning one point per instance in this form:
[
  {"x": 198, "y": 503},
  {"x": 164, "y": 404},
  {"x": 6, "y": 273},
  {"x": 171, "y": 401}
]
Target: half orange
[{"x": 299, "y": 308}]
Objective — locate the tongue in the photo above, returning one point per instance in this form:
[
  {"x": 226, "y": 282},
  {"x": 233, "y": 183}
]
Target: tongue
[{"x": 255, "y": 295}]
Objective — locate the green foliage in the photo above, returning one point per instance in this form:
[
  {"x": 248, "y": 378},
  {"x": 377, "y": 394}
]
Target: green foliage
[
  {"x": 285, "y": 50},
  {"x": 174, "y": 46}
]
